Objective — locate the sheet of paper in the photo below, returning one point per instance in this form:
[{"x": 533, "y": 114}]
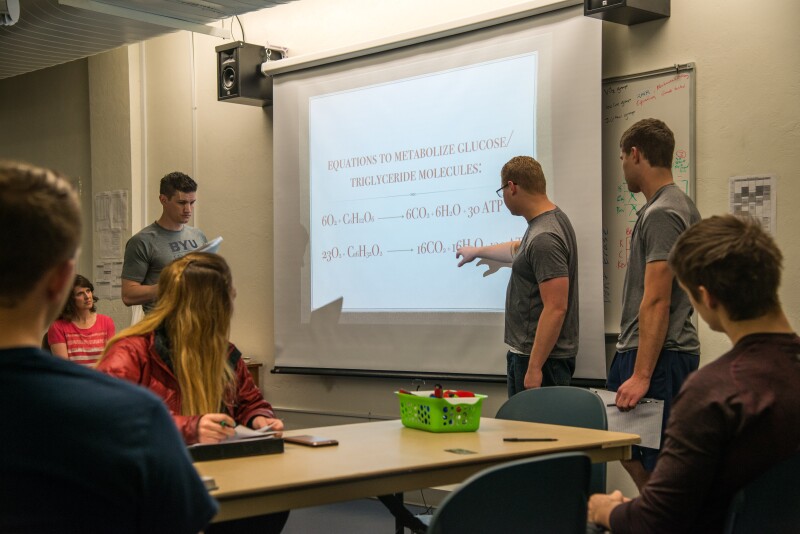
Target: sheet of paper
[
  {"x": 211, "y": 246},
  {"x": 755, "y": 196},
  {"x": 118, "y": 210},
  {"x": 243, "y": 432},
  {"x": 111, "y": 210},
  {"x": 116, "y": 279},
  {"x": 645, "y": 420},
  {"x": 108, "y": 279},
  {"x": 109, "y": 243},
  {"x": 101, "y": 209}
]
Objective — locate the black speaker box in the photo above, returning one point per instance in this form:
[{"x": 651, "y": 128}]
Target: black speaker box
[
  {"x": 626, "y": 12},
  {"x": 239, "y": 76}
]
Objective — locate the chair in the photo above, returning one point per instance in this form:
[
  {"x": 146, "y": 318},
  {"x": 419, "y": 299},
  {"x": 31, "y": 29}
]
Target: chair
[
  {"x": 770, "y": 503},
  {"x": 561, "y": 405},
  {"x": 540, "y": 494}
]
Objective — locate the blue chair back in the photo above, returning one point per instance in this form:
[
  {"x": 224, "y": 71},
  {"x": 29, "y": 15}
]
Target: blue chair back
[
  {"x": 540, "y": 494},
  {"x": 770, "y": 503},
  {"x": 561, "y": 405}
]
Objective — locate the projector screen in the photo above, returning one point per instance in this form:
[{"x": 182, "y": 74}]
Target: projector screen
[
  {"x": 386, "y": 164},
  {"x": 402, "y": 203}
]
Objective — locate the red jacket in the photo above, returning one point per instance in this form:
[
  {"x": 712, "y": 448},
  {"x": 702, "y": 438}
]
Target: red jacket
[{"x": 135, "y": 359}]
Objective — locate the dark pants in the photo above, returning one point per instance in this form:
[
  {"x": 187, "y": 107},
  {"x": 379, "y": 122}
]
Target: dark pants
[
  {"x": 555, "y": 372},
  {"x": 670, "y": 373}
]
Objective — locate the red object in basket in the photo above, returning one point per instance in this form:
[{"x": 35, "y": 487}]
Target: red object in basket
[{"x": 458, "y": 393}]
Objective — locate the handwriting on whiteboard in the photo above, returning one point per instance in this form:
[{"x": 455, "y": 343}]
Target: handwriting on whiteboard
[{"x": 626, "y": 104}]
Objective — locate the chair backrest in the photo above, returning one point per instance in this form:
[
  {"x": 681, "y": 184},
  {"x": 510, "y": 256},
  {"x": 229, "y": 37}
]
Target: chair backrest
[
  {"x": 540, "y": 494},
  {"x": 770, "y": 503},
  {"x": 561, "y": 405}
]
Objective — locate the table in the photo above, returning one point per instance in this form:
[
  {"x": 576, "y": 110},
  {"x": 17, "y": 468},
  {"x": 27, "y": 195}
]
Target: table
[{"x": 380, "y": 458}]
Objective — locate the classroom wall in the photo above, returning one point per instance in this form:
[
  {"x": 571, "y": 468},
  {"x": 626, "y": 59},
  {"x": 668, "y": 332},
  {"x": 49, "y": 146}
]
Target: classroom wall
[
  {"x": 44, "y": 119},
  {"x": 231, "y": 151},
  {"x": 747, "y": 107},
  {"x": 748, "y": 121},
  {"x": 115, "y": 138}
]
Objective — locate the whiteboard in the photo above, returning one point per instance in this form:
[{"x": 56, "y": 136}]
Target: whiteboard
[{"x": 668, "y": 95}]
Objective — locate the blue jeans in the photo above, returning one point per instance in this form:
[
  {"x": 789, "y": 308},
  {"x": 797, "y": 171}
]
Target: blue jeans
[
  {"x": 555, "y": 372},
  {"x": 672, "y": 369}
]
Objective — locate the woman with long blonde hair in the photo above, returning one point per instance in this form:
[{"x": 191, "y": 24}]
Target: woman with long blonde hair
[{"x": 181, "y": 352}]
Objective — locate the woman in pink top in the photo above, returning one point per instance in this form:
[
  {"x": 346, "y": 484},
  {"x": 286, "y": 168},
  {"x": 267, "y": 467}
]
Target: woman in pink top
[{"x": 80, "y": 334}]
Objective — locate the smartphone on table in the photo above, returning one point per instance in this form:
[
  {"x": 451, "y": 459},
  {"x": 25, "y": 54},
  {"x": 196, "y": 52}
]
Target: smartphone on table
[{"x": 310, "y": 441}]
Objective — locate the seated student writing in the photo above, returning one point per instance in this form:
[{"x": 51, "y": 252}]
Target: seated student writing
[
  {"x": 737, "y": 416},
  {"x": 80, "y": 334},
  {"x": 180, "y": 350}
]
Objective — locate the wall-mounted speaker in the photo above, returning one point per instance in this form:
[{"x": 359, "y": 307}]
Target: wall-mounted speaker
[
  {"x": 239, "y": 76},
  {"x": 626, "y": 12}
]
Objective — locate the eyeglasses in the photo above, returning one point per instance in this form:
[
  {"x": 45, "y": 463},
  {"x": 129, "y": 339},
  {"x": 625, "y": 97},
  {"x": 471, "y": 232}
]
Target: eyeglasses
[{"x": 500, "y": 190}]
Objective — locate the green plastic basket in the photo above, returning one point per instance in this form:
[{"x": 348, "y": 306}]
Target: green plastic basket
[{"x": 459, "y": 414}]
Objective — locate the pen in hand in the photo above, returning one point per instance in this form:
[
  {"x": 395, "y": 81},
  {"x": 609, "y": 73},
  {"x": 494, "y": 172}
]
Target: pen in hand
[
  {"x": 226, "y": 425},
  {"x": 227, "y": 434}
]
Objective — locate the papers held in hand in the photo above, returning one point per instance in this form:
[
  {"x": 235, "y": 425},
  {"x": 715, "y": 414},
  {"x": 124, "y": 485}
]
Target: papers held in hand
[
  {"x": 246, "y": 442},
  {"x": 211, "y": 246},
  {"x": 645, "y": 420},
  {"x": 243, "y": 432}
]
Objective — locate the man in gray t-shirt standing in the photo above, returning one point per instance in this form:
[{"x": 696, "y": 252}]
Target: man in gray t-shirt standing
[
  {"x": 542, "y": 296},
  {"x": 658, "y": 345},
  {"x": 156, "y": 245}
]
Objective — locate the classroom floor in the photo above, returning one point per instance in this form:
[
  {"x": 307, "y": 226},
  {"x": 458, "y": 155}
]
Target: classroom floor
[{"x": 367, "y": 516}]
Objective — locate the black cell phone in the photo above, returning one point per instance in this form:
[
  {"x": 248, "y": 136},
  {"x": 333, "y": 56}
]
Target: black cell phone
[{"x": 310, "y": 441}]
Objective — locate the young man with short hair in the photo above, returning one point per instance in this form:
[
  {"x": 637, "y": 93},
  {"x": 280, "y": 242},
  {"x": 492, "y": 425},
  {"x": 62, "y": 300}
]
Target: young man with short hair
[
  {"x": 80, "y": 451},
  {"x": 658, "y": 345},
  {"x": 156, "y": 245},
  {"x": 542, "y": 296},
  {"x": 737, "y": 416}
]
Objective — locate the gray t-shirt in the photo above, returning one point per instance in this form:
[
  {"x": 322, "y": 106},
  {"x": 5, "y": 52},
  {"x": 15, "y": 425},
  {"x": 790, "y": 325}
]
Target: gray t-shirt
[
  {"x": 547, "y": 250},
  {"x": 665, "y": 217},
  {"x": 150, "y": 250}
]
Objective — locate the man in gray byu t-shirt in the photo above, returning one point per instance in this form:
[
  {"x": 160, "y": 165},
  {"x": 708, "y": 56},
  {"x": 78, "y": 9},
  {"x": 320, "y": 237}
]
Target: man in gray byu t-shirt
[
  {"x": 542, "y": 296},
  {"x": 658, "y": 345},
  {"x": 156, "y": 245}
]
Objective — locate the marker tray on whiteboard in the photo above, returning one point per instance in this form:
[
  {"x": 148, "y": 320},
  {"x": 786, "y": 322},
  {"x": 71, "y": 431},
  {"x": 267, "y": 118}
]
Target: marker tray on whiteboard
[{"x": 458, "y": 414}]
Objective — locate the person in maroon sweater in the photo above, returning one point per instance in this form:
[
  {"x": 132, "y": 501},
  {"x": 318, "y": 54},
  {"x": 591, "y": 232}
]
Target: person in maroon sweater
[{"x": 737, "y": 416}]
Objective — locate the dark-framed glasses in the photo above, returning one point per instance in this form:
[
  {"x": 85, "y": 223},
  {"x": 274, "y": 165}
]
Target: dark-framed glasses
[{"x": 500, "y": 190}]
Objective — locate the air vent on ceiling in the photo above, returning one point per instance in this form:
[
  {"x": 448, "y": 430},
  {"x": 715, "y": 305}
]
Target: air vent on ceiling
[
  {"x": 52, "y": 32},
  {"x": 199, "y": 11}
]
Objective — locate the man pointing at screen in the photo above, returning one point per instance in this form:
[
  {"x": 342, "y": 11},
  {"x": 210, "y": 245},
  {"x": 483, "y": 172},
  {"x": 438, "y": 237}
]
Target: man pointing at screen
[{"x": 541, "y": 322}]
